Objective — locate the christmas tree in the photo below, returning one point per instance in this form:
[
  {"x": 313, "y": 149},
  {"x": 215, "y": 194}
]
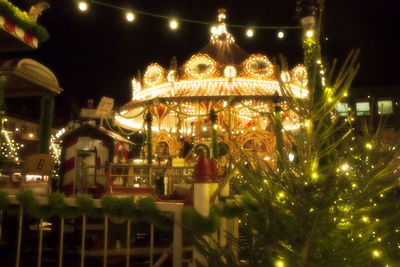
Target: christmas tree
[{"x": 331, "y": 198}]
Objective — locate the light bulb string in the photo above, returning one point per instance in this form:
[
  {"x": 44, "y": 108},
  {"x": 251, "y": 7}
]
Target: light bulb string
[{"x": 100, "y": 3}]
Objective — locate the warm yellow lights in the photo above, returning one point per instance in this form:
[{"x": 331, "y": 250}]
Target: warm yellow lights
[
  {"x": 249, "y": 33},
  {"x": 259, "y": 66},
  {"x": 376, "y": 253},
  {"x": 368, "y": 146},
  {"x": 281, "y": 34},
  {"x": 230, "y": 71},
  {"x": 279, "y": 263},
  {"x": 300, "y": 75},
  {"x": 130, "y": 16},
  {"x": 83, "y": 6},
  {"x": 345, "y": 167},
  {"x": 314, "y": 175},
  {"x": 365, "y": 219},
  {"x": 309, "y": 33},
  {"x": 173, "y": 24}
]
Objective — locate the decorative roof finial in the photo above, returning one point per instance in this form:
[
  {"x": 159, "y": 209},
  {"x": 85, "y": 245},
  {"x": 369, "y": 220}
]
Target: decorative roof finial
[
  {"x": 219, "y": 32},
  {"x": 221, "y": 15}
]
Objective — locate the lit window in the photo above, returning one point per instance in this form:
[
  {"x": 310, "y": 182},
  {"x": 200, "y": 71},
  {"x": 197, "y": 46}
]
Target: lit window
[
  {"x": 362, "y": 108},
  {"x": 342, "y": 109},
  {"x": 385, "y": 107}
]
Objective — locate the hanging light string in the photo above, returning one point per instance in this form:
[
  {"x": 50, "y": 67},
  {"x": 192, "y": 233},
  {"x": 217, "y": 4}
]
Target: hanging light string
[{"x": 100, "y": 3}]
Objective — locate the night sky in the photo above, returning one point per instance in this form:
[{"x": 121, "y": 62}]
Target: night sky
[{"x": 97, "y": 53}]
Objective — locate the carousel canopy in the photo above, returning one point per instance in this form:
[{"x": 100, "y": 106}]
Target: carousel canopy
[
  {"x": 220, "y": 69},
  {"x": 216, "y": 76}
]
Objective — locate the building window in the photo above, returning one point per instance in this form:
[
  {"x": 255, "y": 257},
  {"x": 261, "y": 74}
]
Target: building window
[
  {"x": 385, "y": 107},
  {"x": 342, "y": 109},
  {"x": 362, "y": 108}
]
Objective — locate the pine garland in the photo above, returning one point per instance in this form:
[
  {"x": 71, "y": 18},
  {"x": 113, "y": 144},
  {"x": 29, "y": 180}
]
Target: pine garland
[
  {"x": 84, "y": 203},
  {"x": 199, "y": 224},
  {"x": 23, "y": 21},
  {"x": 32, "y": 207}
]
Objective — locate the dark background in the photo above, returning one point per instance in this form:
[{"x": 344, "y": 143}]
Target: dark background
[{"x": 97, "y": 53}]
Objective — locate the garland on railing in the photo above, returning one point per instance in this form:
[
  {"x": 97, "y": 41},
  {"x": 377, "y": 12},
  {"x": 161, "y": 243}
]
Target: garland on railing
[
  {"x": 144, "y": 209},
  {"x": 200, "y": 224},
  {"x": 32, "y": 207}
]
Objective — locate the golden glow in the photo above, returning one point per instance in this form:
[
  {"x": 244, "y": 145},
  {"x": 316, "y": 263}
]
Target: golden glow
[
  {"x": 365, "y": 219},
  {"x": 171, "y": 77},
  {"x": 376, "y": 253},
  {"x": 309, "y": 33},
  {"x": 154, "y": 74},
  {"x": 250, "y": 33},
  {"x": 83, "y": 6},
  {"x": 345, "y": 167},
  {"x": 281, "y": 34},
  {"x": 130, "y": 16},
  {"x": 279, "y": 263},
  {"x": 259, "y": 66},
  {"x": 300, "y": 75},
  {"x": 368, "y": 146},
  {"x": 285, "y": 76},
  {"x": 200, "y": 66},
  {"x": 173, "y": 24},
  {"x": 230, "y": 71}
]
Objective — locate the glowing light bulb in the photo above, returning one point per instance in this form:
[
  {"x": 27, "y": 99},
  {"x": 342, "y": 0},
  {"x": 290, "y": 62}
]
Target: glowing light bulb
[
  {"x": 83, "y": 6},
  {"x": 214, "y": 30},
  {"x": 281, "y": 34},
  {"x": 309, "y": 33},
  {"x": 345, "y": 167},
  {"x": 279, "y": 263},
  {"x": 291, "y": 157},
  {"x": 130, "y": 16},
  {"x": 173, "y": 24},
  {"x": 368, "y": 145},
  {"x": 250, "y": 33},
  {"x": 376, "y": 253}
]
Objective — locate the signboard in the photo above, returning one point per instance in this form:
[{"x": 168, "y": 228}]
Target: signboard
[{"x": 105, "y": 106}]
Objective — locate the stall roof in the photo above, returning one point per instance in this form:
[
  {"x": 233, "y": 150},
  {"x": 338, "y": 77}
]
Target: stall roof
[
  {"x": 13, "y": 38},
  {"x": 90, "y": 130},
  {"x": 27, "y": 77}
]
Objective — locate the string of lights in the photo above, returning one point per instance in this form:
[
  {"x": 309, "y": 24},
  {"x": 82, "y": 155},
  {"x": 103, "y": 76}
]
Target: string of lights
[{"x": 130, "y": 16}]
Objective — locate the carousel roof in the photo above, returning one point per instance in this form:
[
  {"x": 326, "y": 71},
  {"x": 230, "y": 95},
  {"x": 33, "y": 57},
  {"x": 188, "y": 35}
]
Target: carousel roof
[{"x": 221, "y": 69}]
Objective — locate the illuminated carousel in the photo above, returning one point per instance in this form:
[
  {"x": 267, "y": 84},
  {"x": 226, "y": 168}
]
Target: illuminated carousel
[{"x": 221, "y": 79}]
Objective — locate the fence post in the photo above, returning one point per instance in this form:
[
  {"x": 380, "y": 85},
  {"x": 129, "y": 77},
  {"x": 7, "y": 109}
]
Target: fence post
[
  {"x": 60, "y": 257},
  {"x": 128, "y": 241},
  {"x": 178, "y": 239},
  {"x": 151, "y": 244},
  {"x": 83, "y": 240},
  {"x": 105, "y": 240},
  {"x": 39, "y": 260},
  {"x": 21, "y": 214}
]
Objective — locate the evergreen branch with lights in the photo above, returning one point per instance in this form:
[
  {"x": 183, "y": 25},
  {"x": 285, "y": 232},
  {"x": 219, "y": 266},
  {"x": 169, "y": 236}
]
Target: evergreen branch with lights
[{"x": 332, "y": 199}]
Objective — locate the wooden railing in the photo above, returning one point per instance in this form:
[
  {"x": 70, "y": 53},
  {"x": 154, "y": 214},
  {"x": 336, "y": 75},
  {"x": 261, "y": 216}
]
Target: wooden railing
[{"x": 177, "y": 242}]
